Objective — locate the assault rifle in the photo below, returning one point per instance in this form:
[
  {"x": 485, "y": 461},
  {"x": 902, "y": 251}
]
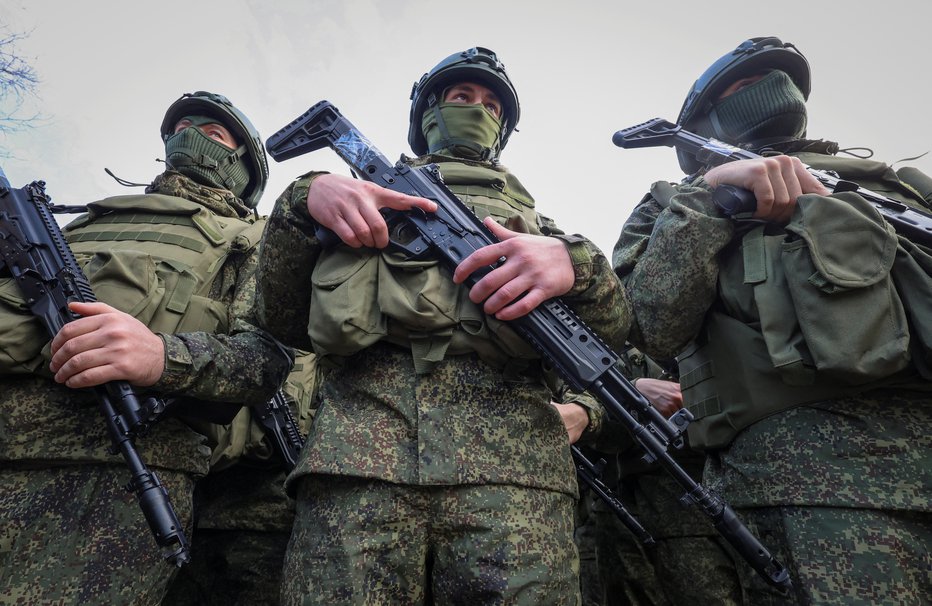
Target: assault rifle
[
  {"x": 280, "y": 425},
  {"x": 35, "y": 252},
  {"x": 912, "y": 224},
  {"x": 576, "y": 352}
]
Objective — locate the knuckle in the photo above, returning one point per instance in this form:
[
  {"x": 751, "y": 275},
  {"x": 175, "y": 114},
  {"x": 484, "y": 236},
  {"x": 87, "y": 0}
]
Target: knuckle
[
  {"x": 67, "y": 332},
  {"x": 69, "y": 349},
  {"x": 761, "y": 170},
  {"x": 91, "y": 376}
]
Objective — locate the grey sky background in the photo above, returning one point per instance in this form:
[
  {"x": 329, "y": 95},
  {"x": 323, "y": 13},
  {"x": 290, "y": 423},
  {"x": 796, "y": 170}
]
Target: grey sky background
[{"x": 583, "y": 69}]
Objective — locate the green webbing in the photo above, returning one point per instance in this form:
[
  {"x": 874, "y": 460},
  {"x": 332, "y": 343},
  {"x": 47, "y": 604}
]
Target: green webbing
[
  {"x": 705, "y": 408},
  {"x": 182, "y": 293},
  {"x": 755, "y": 257},
  {"x": 89, "y": 235},
  {"x": 697, "y": 375},
  {"x": 154, "y": 218}
]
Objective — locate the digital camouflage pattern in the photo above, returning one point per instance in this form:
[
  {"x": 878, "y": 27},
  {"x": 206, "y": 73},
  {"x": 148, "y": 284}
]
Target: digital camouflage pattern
[
  {"x": 885, "y": 449},
  {"x": 244, "y": 517},
  {"x": 585, "y": 537},
  {"x": 868, "y": 513},
  {"x": 442, "y": 441},
  {"x": 368, "y": 542},
  {"x": 688, "y": 563},
  {"x": 244, "y": 521},
  {"x": 72, "y": 535},
  {"x": 670, "y": 279},
  {"x": 50, "y": 430},
  {"x": 461, "y": 424},
  {"x": 884, "y": 553},
  {"x": 219, "y": 201},
  {"x": 788, "y": 475},
  {"x": 386, "y": 423}
]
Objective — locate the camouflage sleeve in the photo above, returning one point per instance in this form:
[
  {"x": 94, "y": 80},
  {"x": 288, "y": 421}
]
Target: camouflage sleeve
[
  {"x": 667, "y": 259},
  {"x": 597, "y": 295},
  {"x": 594, "y": 410},
  {"x": 288, "y": 254},
  {"x": 244, "y": 365}
]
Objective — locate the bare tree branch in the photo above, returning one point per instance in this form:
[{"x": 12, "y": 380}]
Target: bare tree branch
[{"x": 18, "y": 79}]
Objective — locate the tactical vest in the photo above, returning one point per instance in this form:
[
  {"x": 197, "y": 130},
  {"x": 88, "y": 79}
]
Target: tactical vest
[
  {"x": 360, "y": 297},
  {"x": 152, "y": 256},
  {"x": 155, "y": 257},
  {"x": 814, "y": 311}
]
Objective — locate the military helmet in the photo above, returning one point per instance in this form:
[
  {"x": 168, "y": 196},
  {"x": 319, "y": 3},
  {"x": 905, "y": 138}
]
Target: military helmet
[
  {"x": 751, "y": 57},
  {"x": 477, "y": 64},
  {"x": 212, "y": 105}
]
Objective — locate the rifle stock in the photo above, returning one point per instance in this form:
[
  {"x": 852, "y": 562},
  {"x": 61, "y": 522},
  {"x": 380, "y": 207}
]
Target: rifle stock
[
  {"x": 35, "y": 252},
  {"x": 576, "y": 352}
]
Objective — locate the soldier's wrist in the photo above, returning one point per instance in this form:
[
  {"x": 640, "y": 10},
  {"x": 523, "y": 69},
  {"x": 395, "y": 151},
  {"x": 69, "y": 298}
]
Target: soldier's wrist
[
  {"x": 580, "y": 254},
  {"x": 177, "y": 366}
]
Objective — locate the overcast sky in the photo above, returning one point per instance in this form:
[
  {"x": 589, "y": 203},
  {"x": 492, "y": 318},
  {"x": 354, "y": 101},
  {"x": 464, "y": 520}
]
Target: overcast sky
[{"x": 583, "y": 70}]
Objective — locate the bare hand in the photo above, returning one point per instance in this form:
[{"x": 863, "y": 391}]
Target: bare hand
[
  {"x": 105, "y": 345},
  {"x": 537, "y": 265},
  {"x": 350, "y": 208},
  {"x": 776, "y": 182},
  {"x": 575, "y": 419},
  {"x": 664, "y": 395}
]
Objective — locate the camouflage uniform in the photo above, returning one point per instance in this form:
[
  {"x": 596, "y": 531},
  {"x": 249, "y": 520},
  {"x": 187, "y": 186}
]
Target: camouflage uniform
[
  {"x": 243, "y": 516},
  {"x": 454, "y": 485},
  {"x": 687, "y": 563},
  {"x": 839, "y": 488},
  {"x": 69, "y": 532},
  {"x": 585, "y": 535}
]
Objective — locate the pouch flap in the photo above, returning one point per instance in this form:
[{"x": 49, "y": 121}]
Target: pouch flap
[{"x": 849, "y": 242}]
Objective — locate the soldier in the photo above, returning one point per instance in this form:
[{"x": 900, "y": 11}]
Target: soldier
[
  {"x": 436, "y": 469},
  {"x": 243, "y": 516},
  {"x": 807, "y": 334},
  {"x": 174, "y": 270}
]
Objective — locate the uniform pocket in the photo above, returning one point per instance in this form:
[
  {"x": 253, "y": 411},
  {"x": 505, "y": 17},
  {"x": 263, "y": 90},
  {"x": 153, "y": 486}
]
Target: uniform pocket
[
  {"x": 838, "y": 274},
  {"x": 418, "y": 294},
  {"x": 344, "y": 314},
  {"x": 127, "y": 281}
]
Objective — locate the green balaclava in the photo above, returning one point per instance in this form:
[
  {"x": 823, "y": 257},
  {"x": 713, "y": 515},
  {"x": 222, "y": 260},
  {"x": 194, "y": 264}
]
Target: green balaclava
[
  {"x": 207, "y": 161},
  {"x": 771, "y": 108},
  {"x": 462, "y": 130}
]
